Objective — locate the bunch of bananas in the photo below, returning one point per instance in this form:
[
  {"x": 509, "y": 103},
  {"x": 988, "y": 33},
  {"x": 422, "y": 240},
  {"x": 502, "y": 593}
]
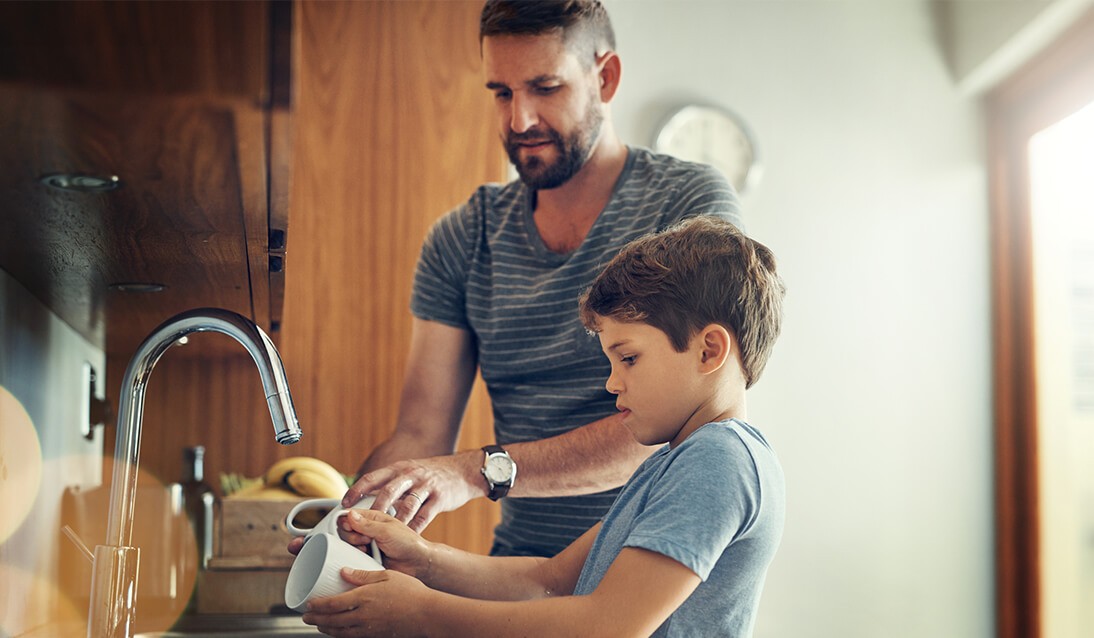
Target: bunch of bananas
[{"x": 293, "y": 477}]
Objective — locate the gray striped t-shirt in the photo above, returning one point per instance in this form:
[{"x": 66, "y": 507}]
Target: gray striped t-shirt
[{"x": 484, "y": 268}]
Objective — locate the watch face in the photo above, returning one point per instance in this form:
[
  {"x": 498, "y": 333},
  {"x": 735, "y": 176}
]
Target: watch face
[
  {"x": 709, "y": 135},
  {"x": 499, "y": 469}
]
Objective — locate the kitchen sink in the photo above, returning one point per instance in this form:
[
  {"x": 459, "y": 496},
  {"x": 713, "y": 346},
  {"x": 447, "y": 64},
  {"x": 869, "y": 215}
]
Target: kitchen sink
[{"x": 234, "y": 626}]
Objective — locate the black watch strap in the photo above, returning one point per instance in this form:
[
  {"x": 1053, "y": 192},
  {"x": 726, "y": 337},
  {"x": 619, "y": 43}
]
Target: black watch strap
[{"x": 497, "y": 490}]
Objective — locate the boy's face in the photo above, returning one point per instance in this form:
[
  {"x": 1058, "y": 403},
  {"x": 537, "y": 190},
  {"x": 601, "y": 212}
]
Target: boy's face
[{"x": 660, "y": 391}]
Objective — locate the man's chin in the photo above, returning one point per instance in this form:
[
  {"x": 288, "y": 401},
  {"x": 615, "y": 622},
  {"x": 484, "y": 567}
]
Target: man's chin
[{"x": 534, "y": 176}]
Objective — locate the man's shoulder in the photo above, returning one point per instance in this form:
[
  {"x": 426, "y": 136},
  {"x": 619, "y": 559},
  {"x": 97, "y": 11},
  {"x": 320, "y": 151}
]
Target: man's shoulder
[
  {"x": 491, "y": 199},
  {"x": 648, "y": 162},
  {"x": 485, "y": 205}
]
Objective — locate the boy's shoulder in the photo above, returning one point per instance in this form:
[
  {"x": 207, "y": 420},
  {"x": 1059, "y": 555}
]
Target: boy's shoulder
[{"x": 729, "y": 434}]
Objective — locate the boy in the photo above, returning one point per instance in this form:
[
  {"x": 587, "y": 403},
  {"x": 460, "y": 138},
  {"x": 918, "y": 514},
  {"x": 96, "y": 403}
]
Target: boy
[{"x": 688, "y": 318}]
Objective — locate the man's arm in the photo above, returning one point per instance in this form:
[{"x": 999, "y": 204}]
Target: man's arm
[
  {"x": 589, "y": 459},
  {"x": 440, "y": 370},
  {"x": 416, "y": 472}
]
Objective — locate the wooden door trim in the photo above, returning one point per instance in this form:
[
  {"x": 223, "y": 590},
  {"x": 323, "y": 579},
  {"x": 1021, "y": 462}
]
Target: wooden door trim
[{"x": 1055, "y": 84}]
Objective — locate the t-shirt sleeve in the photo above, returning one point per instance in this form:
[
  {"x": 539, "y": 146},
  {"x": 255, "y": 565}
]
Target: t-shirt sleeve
[
  {"x": 706, "y": 191},
  {"x": 706, "y": 498},
  {"x": 440, "y": 279}
]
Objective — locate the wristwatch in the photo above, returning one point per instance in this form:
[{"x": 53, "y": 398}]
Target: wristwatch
[{"x": 500, "y": 471}]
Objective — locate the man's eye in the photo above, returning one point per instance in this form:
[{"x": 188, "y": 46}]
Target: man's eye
[
  {"x": 502, "y": 95},
  {"x": 547, "y": 90}
]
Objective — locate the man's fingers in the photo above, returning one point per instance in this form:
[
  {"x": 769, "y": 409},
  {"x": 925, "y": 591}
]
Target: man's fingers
[
  {"x": 425, "y": 516},
  {"x": 390, "y": 493},
  {"x": 411, "y": 503},
  {"x": 366, "y": 485}
]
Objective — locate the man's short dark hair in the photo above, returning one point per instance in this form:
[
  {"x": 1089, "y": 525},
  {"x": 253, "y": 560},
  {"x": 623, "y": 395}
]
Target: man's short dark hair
[{"x": 584, "y": 24}]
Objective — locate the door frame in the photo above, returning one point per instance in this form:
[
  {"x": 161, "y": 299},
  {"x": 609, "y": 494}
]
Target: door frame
[{"x": 1055, "y": 84}]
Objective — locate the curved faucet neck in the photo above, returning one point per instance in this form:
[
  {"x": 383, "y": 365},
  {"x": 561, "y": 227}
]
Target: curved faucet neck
[{"x": 131, "y": 403}]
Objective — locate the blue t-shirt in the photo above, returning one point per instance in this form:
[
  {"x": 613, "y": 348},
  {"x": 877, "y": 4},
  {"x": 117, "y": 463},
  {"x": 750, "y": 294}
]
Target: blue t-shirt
[
  {"x": 716, "y": 504},
  {"x": 485, "y": 268}
]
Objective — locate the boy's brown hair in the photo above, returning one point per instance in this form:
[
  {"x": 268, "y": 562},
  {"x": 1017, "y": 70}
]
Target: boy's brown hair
[{"x": 698, "y": 272}]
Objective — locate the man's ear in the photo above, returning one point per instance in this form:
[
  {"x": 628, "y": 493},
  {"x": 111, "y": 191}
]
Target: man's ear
[
  {"x": 608, "y": 73},
  {"x": 715, "y": 344}
]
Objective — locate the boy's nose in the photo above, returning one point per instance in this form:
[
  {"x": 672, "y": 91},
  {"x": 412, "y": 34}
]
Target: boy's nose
[{"x": 612, "y": 385}]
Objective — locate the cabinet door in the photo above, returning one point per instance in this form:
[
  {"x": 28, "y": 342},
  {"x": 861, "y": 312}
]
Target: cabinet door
[{"x": 391, "y": 128}]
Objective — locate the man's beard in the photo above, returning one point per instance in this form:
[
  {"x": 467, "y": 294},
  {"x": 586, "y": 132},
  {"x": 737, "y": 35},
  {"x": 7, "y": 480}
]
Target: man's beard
[{"x": 574, "y": 151}]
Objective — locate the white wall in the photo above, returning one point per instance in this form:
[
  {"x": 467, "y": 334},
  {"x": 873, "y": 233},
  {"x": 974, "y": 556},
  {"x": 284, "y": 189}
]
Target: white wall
[
  {"x": 41, "y": 372},
  {"x": 874, "y": 200}
]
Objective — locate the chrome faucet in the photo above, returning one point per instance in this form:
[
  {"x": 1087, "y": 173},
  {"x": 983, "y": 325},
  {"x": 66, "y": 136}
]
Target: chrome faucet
[{"x": 114, "y": 572}]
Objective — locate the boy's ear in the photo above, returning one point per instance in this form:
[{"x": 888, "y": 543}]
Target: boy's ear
[{"x": 716, "y": 344}]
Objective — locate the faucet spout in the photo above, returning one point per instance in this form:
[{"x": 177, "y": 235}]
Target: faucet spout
[{"x": 109, "y": 618}]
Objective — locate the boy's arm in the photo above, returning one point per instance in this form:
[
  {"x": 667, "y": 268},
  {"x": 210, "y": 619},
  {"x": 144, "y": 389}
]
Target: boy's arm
[
  {"x": 507, "y": 577},
  {"x": 639, "y": 591},
  {"x": 462, "y": 573}
]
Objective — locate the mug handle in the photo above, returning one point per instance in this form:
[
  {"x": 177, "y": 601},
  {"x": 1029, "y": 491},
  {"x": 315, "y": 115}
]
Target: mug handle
[
  {"x": 332, "y": 503},
  {"x": 310, "y": 504}
]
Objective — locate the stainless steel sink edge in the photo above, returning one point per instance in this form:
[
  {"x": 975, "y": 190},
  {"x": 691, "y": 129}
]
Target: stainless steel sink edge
[{"x": 234, "y": 626}]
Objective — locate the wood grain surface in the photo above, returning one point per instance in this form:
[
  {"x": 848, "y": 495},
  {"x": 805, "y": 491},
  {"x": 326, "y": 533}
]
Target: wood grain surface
[{"x": 391, "y": 128}]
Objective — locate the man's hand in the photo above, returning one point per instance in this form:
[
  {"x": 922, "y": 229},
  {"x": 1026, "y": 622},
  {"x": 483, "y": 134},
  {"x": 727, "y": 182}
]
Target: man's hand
[{"x": 419, "y": 489}]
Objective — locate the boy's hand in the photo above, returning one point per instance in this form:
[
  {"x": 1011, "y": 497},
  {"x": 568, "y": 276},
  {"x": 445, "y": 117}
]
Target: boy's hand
[
  {"x": 403, "y": 549},
  {"x": 385, "y": 603}
]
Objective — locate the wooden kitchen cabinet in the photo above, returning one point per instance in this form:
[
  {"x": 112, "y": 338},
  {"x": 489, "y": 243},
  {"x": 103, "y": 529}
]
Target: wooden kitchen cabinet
[
  {"x": 391, "y": 127},
  {"x": 186, "y": 104}
]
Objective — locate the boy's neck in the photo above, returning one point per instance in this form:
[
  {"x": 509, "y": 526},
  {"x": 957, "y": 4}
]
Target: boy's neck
[{"x": 722, "y": 406}]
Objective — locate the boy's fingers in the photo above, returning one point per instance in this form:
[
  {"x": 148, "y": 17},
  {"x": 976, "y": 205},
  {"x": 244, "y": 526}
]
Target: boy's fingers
[{"x": 359, "y": 576}]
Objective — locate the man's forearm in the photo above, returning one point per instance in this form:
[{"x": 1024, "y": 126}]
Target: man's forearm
[
  {"x": 593, "y": 458},
  {"x": 398, "y": 447}
]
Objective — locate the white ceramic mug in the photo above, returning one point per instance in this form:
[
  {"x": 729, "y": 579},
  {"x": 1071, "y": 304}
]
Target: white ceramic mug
[
  {"x": 329, "y": 523},
  {"x": 316, "y": 572}
]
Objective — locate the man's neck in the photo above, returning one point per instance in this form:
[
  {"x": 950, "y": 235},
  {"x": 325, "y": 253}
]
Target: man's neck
[{"x": 565, "y": 214}]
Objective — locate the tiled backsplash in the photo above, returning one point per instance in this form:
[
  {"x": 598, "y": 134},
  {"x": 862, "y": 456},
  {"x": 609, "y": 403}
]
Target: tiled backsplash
[{"x": 43, "y": 390}]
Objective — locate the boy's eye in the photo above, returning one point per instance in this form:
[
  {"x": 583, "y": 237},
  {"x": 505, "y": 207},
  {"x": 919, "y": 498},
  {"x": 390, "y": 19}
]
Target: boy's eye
[{"x": 628, "y": 359}]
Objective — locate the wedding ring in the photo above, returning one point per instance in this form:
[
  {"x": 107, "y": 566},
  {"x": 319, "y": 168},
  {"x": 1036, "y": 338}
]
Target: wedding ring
[{"x": 420, "y": 500}]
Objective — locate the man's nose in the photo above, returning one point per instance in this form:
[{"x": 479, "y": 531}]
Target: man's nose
[{"x": 522, "y": 116}]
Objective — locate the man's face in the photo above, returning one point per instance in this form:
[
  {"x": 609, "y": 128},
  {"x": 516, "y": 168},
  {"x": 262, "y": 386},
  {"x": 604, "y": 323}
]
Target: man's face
[{"x": 548, "y": 106}]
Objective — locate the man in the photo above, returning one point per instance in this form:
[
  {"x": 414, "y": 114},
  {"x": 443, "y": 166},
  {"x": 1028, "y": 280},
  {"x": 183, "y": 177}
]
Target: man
[{"x": 497, "y": 285}]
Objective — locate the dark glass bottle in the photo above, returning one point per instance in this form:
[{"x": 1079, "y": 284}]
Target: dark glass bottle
[{"x": 198, "y": 499}]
